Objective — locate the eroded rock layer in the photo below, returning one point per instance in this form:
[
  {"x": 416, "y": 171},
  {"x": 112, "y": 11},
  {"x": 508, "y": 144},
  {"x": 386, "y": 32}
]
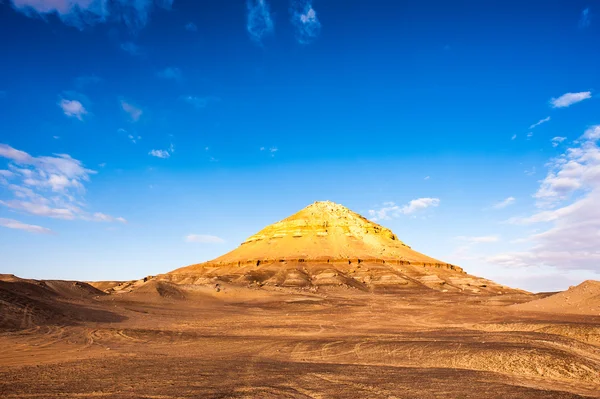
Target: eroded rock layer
[{"x": 326, "y": 244}]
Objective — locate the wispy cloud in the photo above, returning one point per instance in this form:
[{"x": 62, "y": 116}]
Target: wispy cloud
[
  {"x": 593, "y": 133},
  {"x": 539, "y": 122},
  {"x": 514, "y": 136},
  {"x": 503, "y": 204},
  {"x": 5, "y": 175},
  {"x": 557, "y": 140},
  {"x": 466, "y": 249},
  {"x": 40, "y": 209},
  {"x": 569, "y": 214},
  {"x": 164, "y": 154},
  {"x": 584, "y": 20},
  {"x": 134, "y": 112},
  {"x": 170, "y": 73},
  {"x": 203, "y": 239},
  {"x": 259, "y": 22},
  {"x": 101, "y": 217},
  {"x": 50, "y": 186},
  {"x": 305, "y": 21},
  {"x": 391, "y": 210},
  {"x": 530, "y": 172},
  {"x": 270, "y": 150},
  {"x": 133, "y": 138},
  {"x": 191, "y": 27},
  {"x": 31, "y": 228},
  {"x": 577, "y": 168},
  {"x": 200, "y": 102},
  {"x": 568, "y": 99},
  {"x": 131, "y": 48},
  {"x": 82, "y": 13},
  {"x": 72, "y": 108}
]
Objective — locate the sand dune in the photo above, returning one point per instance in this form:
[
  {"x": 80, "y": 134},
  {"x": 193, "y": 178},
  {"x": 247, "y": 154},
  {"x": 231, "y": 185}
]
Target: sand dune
[
  {"x": 581, "y": 299},
  {"x": 30, "y": 303}
]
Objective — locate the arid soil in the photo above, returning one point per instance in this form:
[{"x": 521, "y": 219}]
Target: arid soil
[
  {"x": 582, "y": 299},
  {"x": 70, "y": 340},
  {"x": 323, "y": 304}
]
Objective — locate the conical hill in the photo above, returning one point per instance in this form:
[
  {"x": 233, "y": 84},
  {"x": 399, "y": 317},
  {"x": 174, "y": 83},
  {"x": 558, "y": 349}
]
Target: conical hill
[{"x": 326, "y": 244}]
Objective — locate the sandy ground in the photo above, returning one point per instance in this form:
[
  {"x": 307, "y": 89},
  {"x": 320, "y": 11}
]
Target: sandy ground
[{"x": 286, "y": 343}]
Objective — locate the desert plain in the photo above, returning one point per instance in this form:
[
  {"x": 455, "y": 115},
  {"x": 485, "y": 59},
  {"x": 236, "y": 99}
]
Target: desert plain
[{"x": 324, "y": 304}]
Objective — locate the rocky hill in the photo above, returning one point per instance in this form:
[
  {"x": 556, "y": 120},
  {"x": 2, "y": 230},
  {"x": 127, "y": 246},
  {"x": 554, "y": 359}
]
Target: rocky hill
[{"x": 324, "y": 245}]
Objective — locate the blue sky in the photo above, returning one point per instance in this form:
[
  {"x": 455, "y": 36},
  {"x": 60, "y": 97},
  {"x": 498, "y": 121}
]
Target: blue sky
[{"x": 140, "y": 136}]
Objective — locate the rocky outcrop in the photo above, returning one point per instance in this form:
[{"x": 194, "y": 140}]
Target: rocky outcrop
[
  {"x": 325, "y": 245},
  {"x": 324, "y": 232}
]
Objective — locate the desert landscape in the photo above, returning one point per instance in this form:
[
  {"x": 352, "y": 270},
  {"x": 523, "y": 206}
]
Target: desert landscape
[
  {"x": 303, "y": 199},
  {"x": 323, "y": 304}
]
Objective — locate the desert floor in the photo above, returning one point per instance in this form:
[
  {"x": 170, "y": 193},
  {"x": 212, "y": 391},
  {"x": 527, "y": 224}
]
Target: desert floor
[{"x": 279, "y": 343}]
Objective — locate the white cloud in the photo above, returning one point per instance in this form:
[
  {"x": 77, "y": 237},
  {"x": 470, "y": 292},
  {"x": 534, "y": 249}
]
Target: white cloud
[
  {"x": 204, "y": 239},
  {"x": 101, "y": 217},
  {"x": 419, "y": 204},
  {"x": 305, "y": 21},
  {"x": 568, "y": 215},
  {"x": 426, "y": 178},
  {"x": 568, "y": 99},
  {"x": 557, "y": 140},
  {"x": 39, "y": 209},
  {"x": 5, "y": 175},
  {"x": 83, "y": 13},
  {"x": 577, "y": 168},
  {"x": 15, "y": 224},
  {"x": 49, "y": 186},
  {"x": 514, "y": 136},
  {"x": 391, "y": 210},
  {"x": 259, "y": 22},
  {"x": 539, "y": 122},
  {"x": 14, "y": 154},
  {"x": 593, "y": 133},
  {"x": 134, "y": 112},
  {"x": 160, "y": 153},
  {"x": 73, "y": 108},
  {"x": 503, "y": 204},
  {"x": 170, "y": 73},
  {"x": 133, "y": 138}
]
